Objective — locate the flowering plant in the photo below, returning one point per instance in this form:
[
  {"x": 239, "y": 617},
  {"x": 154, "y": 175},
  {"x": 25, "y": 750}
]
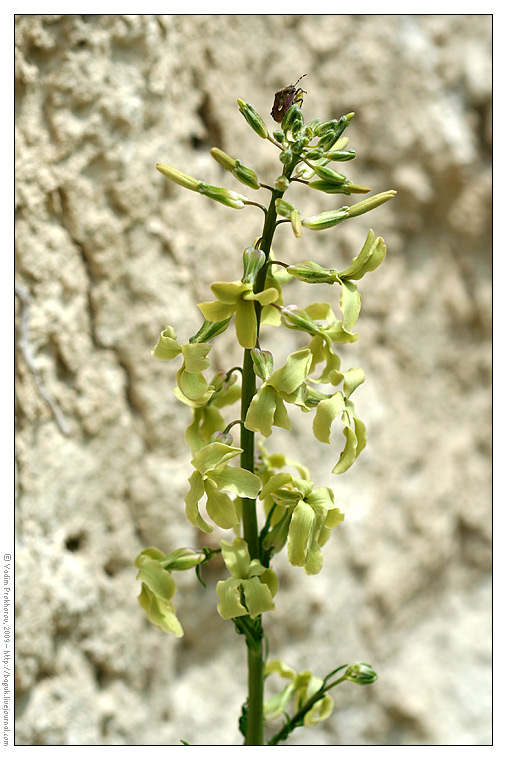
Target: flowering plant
[{"x": 296, "y": 515}]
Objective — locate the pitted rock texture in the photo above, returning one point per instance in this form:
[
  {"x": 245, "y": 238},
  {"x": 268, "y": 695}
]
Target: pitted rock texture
[{"x": 109, "y": 252}]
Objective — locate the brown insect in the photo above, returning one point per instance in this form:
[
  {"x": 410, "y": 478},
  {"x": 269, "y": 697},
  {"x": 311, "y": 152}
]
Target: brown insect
[{"x": 285, "y": 98}]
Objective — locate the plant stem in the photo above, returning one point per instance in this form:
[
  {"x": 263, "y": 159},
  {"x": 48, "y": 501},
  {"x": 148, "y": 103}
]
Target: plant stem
[{"x": 255, "y": 721}]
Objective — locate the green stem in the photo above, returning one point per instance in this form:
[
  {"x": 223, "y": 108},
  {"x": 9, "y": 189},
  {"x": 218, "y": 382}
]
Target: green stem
[{"x": 255, "y": 720}]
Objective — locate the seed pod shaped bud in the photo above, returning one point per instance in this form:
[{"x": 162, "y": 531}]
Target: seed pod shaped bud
[
  {"x": 183, "y": 559},
  {"x": 361, "y": 673},
  {"x": 276, "y": 539},
  {"x": 246, "y": 176},
  {"x": 209, "y": 330},
  {"x": 326, "y": 219},
  {"x": 253, "y": 118},
  {"x": 295, "y": 220},
  {"x": 314, "y": 154},
  {"x": 282, "y": 183},
  {"x": 253, "y": 261},
  {"x": 284, "y": 208},
  {"x": 296, "y": 317},
  {"x": 262, "y": 363},
  {"x": 340, "y": 155},
  {"x": 293, "y": 120},
  {"x": 279, "y": 135},
  {"x": 223, "y": 159},
  {"x": 222, "y": 195},
  {"x": 370, "y": 203},
  {"x": 329, "y": 175},
  {"x": 309, "y": 271},
  {"x": 220, "y": 437},
  {"x": 286, "y": 156},
  {"x": 179, "y": 177},
  {"x": 324, "y": 127}
]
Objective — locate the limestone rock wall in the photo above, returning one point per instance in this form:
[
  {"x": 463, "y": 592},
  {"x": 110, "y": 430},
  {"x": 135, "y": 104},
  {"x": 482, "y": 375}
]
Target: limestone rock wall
[{"x": 108, "y": 253}]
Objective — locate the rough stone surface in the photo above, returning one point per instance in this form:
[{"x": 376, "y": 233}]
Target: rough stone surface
[{"x": 108, "y": 253}]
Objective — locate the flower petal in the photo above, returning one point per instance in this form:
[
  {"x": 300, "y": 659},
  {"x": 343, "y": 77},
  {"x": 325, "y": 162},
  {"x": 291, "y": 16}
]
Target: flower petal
[
  {"x": 160, "y": 613},
  {"x": 193, "y": 385},
  {"x": 258, "y": 597},
  {"x": 192, "y": 498},
  {"x": 213, "y": 455},
  {"x": 230, "y": 605},
  {"x": 216, "y": 311},
  {"x": 167, "y": 347},
  {"x": 236, "y": 557},
  {"x": 293, "y": 374},
  {"x": 246, "y": 323},
  {"x": 261, "y": 411},
  {"x": 194, "y": 355},
  {"x": 238, "y": 480},
  {"x": 300, "y": 533},
  {"x": 326, "y": 413},
  {"x": 219, "y": 506}
]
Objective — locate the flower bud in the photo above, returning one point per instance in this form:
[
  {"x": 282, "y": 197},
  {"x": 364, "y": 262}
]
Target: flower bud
[
  {"x": 223, "y": 159},
  {"x": 220, "y": 437},
  {"x": 370, "y": 203},
  {"x": 329, "y": 175},
  {"x": 295, "y": 317},
  {"x": 253, "y": 118},
  {"x": 282, "y": 183},
  {"x": 183, "y": 559},
  {"x": 340, "y": 155},
  {"x": 246, "y": 176},
  {"x": 314, "y": 154},
  {"x": 253, "y": 261},
  {"x": 309, "y": 271},
  {"x": 293, "y": 121},
  {"x": 222, "y": 195},
  {"x": 179, "y": 177},
  {"x": 326, "y": 219},
  {"x": 262, "y": 363},
  {"x": 361, "y": 673},
  {"x": 209, "y": 330},
  {"x": 279, "y": 135},
  {"x": 286, "y": 156},
  {"x": 324, "y": 127},
  {"x": 284, "y": 208}
]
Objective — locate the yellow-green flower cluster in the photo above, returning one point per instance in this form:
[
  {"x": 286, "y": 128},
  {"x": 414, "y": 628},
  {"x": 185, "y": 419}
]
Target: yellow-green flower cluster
[
  {"x": 251, "y": 587},
  {"x": 210, "y": 478},
  {"x": 301, "y": 688}
]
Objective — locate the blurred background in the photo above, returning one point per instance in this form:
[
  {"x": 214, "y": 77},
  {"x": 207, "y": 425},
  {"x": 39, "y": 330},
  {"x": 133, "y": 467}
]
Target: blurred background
[{"x": 109, "y": 253}]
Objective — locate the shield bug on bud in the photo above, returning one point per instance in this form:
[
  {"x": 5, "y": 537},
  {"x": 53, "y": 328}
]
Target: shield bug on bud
[{"x": 285, "y": 98}]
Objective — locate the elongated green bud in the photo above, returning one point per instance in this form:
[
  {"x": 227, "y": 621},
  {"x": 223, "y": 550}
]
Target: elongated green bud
[
  {"x": 309, "y": 271},
  {"x": 314, "y": 154},
  {"x": 329, "y": 175},
  {"x": 223, "y": 158},
  {"x": 183, "y": 559},
  {"x": 370, "y": 203},
  {"x": 209, "y": 330},
  {"x": 340, "y": 155},
  {"x": 262, "y": 363},
  {"x": 276, "y": 539},
  {"x": 296, "y": 318},
  {"x": 222, "y": 195},
  {"x": 284, "y": 208},
  {"x": 179, "y": 177},
  {"x": 253, "y": 261},
  {"x": 293, "y": 120},
  {"x": 253, "y": 118},
  {"x": 242, "y": 173},
  {"x": 326, "y": 219},
  {"x": 331, "y": 188}
]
